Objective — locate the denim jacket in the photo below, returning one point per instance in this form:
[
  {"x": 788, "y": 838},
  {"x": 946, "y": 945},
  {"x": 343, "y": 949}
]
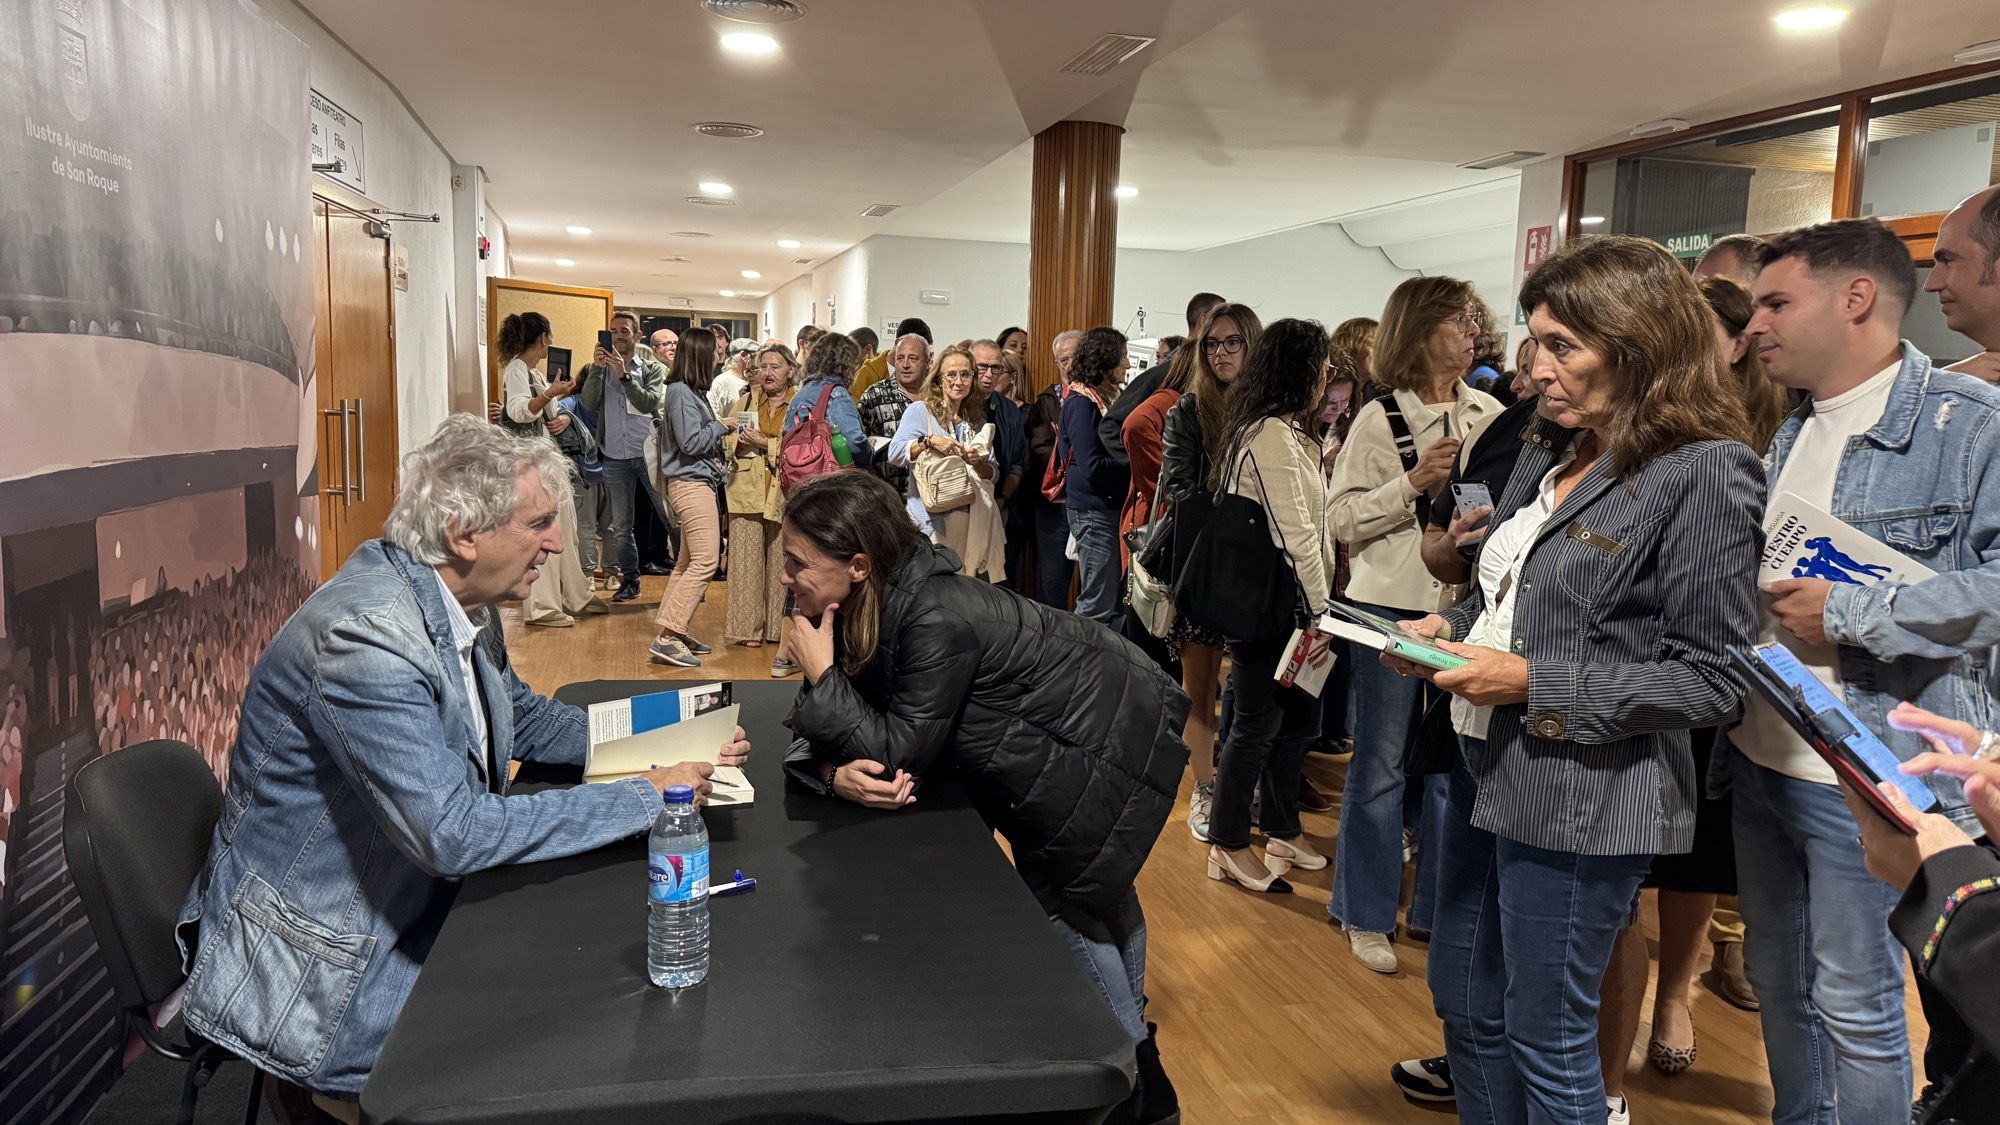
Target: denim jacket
[
  {"x": 355, "y": 802},
  {"x": 1926, "y": 481}
]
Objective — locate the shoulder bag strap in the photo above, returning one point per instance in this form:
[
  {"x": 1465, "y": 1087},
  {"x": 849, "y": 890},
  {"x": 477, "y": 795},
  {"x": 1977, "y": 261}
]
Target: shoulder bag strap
[{"x": 1406, "y": 448}]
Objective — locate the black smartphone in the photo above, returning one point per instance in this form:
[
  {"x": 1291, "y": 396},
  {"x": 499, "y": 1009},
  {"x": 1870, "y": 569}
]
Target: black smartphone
[{"x": 604, "y": 340}]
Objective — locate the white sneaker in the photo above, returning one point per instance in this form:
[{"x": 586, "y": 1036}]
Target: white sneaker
[
  {"x": 1372, "y": 950},
  {"x": 1618, "y": 1111},
  {"x": 1198, "y": 805}
]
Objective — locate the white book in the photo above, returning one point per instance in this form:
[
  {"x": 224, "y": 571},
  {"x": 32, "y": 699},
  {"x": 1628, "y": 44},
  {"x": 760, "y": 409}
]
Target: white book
[
  {"x": 629, "y": 737},
  {"x": 1802, "y": 541}
]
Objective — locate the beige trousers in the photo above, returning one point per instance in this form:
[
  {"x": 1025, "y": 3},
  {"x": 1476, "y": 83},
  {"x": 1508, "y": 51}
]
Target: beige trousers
[
  {"x": 561, "y": 586},
  {"x": 701, "y": 544},
  {"x": 756, "y": 596}
]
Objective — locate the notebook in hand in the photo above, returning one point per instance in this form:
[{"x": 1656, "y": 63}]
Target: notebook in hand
[
  {"x": 1364, "y": 628},
  {"x": 628, "y": 737},
  {"x": 1808, "y": 706}
]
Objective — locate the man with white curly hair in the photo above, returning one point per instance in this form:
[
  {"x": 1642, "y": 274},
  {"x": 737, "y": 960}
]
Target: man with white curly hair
[{"x": 370, "y": 770}]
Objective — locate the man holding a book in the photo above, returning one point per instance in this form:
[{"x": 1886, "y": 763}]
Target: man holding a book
[{"x": 1895, "y": 464}]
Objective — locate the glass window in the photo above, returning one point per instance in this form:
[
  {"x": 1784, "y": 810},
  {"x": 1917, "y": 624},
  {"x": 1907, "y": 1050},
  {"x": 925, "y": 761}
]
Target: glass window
[
  {"x": 1764, "y": 179},
  {"x": 1930, "y": 148}
]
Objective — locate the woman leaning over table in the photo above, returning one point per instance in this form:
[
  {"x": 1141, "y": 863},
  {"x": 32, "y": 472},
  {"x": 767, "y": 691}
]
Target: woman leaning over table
[
  {"x": 756, "y": 611},
  {"x": 1620, "y": 569},
  {"x": 1065, "y": 736}
]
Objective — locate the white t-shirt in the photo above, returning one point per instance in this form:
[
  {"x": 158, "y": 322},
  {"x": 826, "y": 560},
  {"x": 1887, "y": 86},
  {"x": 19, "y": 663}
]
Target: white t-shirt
[
  {"x": 1499, "y": 575},
  {"x": 1808, "y": 474}
]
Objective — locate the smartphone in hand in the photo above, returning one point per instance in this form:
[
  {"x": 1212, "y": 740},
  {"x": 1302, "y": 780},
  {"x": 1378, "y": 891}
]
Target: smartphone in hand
[{"x": 1471, "y": 496}]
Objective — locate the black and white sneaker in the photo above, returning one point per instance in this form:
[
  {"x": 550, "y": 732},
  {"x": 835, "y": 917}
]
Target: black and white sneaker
[{"x": 1425, "y": 1080}]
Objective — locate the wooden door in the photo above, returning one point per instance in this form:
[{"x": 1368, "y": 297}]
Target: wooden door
[{"x": 354, "y": 340}]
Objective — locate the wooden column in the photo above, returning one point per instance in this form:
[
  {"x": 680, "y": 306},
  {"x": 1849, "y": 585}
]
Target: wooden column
[{"x": 1072, "y": 236}]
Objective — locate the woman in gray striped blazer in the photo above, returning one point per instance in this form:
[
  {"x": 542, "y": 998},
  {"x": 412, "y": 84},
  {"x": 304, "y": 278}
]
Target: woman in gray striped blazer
[{"x": 1620, "y": 569}]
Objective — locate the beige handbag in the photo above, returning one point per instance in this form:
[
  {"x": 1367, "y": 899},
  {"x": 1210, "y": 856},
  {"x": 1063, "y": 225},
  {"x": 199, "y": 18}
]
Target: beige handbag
[{"x": 944, "y": 484}]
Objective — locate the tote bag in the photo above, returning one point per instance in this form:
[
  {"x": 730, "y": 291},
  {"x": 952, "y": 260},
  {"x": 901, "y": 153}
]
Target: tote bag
[{"x": 1236, "y": 583}]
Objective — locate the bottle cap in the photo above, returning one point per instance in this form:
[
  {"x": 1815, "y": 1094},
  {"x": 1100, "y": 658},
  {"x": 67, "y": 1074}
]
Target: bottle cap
[{"x": 678, "y": 795}]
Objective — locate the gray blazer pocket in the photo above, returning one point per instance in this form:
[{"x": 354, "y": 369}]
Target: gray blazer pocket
[{"x": 285, "y": 980}]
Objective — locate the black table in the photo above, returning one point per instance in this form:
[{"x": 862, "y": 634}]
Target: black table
[{"x": 888, "y": 967}]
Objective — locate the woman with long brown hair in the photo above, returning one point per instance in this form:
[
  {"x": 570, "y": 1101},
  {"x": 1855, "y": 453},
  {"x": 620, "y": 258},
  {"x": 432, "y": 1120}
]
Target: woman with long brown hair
[
  {"x": 948, "y": 422},
  {"x": 1620, "y": 570},
  {"x": 1064, "y": 735},
  {"x": 1763, "y": 399},
  {"x": 691, "y": 463},
  {"x": 1393, "y": 466},
  {"x": 1187, "y": 450}
]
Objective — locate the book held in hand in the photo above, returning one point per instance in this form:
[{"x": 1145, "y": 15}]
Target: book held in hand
[
  {"x": 1364, "y": 628},
  {"x": 629, "y": 737},
  {"x": 1803, "y": 541}
]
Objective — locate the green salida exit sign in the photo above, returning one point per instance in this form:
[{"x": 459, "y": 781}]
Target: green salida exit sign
[{"x": 1693, "y": 244}]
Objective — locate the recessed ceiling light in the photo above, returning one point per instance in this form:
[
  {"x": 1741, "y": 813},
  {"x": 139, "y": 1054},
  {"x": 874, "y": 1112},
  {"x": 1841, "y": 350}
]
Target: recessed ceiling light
[
  {"x": 1127, "y": 191},
  {"x": 1810, "y": 18},
  {"x": 714, "y": 187},
  {"x": 751, "y": 275},
  {"x": 725, "y": 292},
  {"x": 788, "y": 244},
  {"x": 565, "y": 261},
  {"x": 1592, "y": 220},
  {"x": 578, "y": 231},
  {"x": 750, "y": 44}
]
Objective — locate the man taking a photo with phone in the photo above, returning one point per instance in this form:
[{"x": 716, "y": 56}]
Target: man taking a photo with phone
[{"x": 622, "y": 386}]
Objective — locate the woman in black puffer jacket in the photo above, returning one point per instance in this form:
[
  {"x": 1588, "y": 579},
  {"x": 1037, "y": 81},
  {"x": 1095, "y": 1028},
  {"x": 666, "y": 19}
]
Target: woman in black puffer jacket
[{"x": 1064, "y": 735}]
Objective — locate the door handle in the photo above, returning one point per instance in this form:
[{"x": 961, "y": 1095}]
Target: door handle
[
  {"x": 361, "y": 444},
  {"x": 348, "y": 414},
  {"x": 345, "y": 469}
]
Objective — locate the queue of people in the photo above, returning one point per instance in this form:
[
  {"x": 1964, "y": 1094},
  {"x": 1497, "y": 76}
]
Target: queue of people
[{"x": 1583, "y": 535}]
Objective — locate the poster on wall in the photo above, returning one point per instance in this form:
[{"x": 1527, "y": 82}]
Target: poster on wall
[{"x": 157, "y": 511}]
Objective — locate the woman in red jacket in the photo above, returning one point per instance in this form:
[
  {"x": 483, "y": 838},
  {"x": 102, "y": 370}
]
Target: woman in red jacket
[{"x": 1143, "y": 430}]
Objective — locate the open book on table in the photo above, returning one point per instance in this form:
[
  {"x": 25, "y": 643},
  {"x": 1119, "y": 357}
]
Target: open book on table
[{"x": 628, "y": 737}]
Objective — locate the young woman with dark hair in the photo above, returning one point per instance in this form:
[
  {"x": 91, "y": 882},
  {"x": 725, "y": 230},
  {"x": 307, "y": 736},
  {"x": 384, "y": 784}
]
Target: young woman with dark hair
[
  {"x": 562, "y": 591},
  {"x": 1096, "y": 482},
  {"x": 1064, "y": 736},
  {"x": 1269, "y": 452},
  {"x": 691, "y": 438}
]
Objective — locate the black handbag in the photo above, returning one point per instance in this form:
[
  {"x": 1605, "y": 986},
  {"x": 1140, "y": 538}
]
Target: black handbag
[
  {"x": 1433, "y": 742},
  {"x": 1236, "y": 583}
]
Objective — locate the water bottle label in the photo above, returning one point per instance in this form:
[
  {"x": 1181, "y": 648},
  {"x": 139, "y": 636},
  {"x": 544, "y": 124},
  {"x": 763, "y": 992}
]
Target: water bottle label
[{"x": 677, "y": 878}]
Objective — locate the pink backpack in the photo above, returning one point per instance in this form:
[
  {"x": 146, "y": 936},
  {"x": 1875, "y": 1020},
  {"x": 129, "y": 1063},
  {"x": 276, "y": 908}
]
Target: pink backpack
[{"x": 807, "y": 450}]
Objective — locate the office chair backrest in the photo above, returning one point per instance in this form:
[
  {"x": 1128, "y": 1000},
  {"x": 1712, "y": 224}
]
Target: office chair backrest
[{"x": 136, "y": 826}]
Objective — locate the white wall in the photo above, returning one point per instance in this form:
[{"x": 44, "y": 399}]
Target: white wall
[
  {"x": 405, "y": 170},
  {"x": 843, "y": 278}
]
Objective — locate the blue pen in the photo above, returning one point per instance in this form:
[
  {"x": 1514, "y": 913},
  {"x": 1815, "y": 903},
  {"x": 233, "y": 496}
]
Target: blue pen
[{"x": 736, "y": 886}]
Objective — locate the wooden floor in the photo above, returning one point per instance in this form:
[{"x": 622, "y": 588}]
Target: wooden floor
[{"x": 1264, "y": 1015}]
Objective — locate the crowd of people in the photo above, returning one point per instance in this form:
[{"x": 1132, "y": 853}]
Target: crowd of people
[{"x": 1582, "y": 529}]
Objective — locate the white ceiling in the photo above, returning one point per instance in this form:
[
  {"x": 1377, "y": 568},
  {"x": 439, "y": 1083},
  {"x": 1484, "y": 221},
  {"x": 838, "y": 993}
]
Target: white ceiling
[{"x": 1249, "y": 116}]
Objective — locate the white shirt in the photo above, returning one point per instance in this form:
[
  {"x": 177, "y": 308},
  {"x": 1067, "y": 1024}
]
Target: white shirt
[
  {"x": 520, "y": 384},
  {"x": 464, "y": 634},
  {"x": 1815, "y": 460},
  {"x": 1499, "y": 578},
  {"x": 723, "y": 393}
]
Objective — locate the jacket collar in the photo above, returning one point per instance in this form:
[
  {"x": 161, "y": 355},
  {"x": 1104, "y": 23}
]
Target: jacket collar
[
  {"x": 429, "y": 592},
  {"x": 1898, "y": 425}
]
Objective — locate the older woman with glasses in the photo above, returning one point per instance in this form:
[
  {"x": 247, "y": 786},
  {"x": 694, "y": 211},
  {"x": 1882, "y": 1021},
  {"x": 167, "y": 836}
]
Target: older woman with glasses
[
  {"x": 756, "y": 612},
  {"x": 1393, "y": 466}
]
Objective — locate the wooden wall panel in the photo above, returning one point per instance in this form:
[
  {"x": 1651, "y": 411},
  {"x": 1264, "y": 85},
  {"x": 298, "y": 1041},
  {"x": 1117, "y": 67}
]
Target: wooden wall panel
[{"x": 1072, "y": 236}]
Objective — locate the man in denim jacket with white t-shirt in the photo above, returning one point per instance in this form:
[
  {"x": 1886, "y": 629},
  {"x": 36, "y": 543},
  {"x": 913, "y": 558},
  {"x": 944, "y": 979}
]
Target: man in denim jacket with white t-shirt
[
  {"x": 370, "y": 772},
  {"x": 1909, "y": 455}
]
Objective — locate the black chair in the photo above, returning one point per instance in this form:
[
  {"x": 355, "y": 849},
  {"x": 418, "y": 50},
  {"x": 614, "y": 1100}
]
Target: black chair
[{"x": 136, "y": 827}]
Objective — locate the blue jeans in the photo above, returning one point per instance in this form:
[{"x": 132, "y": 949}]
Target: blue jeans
[
  {"x": 622, "y": 477},
  {"x": 1518, "y": 951},
  {"x": 1368, "y": 877},
  {"x": 1264, "y": 752},
  {"x": 1098, "y": 559},
  {"x": 1052, "y": 564},
  {"x": 1119, "y": 972},
  {"x": 1819, "y": 953},
  {"x": 1436, "y": 801}
]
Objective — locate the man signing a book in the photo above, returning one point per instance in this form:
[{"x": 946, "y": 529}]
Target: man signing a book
[{"x": 371, "y": 771}]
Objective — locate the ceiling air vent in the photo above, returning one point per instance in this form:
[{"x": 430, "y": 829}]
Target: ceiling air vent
[
  {"x": 1109, "y": 50},
  {"x": 803, "y": 261},
  {"x": 727, "y": 130},
  {"x": 710, "y": 201},
  {"x": 756, "y": 11},
  {"x": 1502, "y": 160},
  {"x": 675, "y": 258},
  {"x": 877, "y": 210},
  {"x": 689, "y": 234}
]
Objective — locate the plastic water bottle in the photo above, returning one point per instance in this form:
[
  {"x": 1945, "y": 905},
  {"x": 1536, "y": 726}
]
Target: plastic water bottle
[{"x": 677, "y": 893}]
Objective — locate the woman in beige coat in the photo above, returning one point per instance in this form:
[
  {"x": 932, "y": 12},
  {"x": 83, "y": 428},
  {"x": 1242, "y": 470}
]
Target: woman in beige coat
[{"x": 756, "y": 597}]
